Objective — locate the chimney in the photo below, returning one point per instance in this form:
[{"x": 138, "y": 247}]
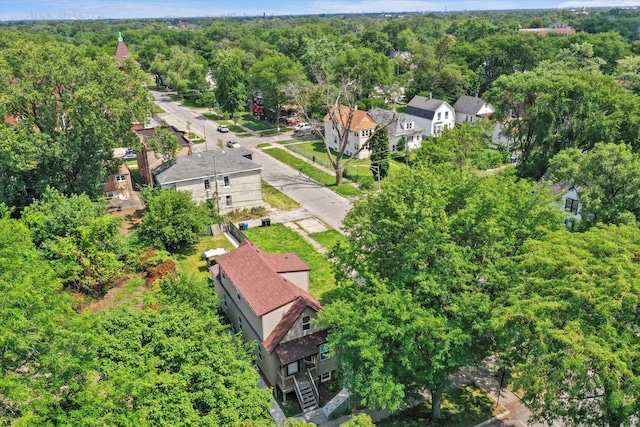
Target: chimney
[{"x": 430, "y": 95}]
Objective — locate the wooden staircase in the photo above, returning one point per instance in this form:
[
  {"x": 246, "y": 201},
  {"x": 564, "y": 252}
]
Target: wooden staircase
[{"x": 305, "y": 390}]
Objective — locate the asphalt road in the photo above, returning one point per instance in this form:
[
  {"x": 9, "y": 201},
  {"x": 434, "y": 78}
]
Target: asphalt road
[{"x": 317, "y": 199}]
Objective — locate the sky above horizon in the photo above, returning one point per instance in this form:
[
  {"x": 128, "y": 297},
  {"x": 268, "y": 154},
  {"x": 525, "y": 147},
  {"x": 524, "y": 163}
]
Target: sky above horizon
[{"x": 96, "y": 9}]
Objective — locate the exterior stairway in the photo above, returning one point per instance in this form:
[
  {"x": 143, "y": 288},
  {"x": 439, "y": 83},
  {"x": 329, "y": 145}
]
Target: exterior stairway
[{"x": 306, "y": 394}]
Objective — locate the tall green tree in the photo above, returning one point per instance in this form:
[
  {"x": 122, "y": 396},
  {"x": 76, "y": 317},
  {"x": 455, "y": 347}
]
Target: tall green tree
[
  {"x": 78, "y": 237},
  {"x": 270, "y": 76},
  {"x": 42, "y": 350},
  {"x": 569, "y": 331},
  {"x": 556, "y": 109},
  {"x": 425, "y": 250},
  {"x": 231, "y": 92},
  {"x": 379, "y": 148},
  {"x": 607, "y": 179},
  {"x": 74, "y": 110},
  {"x": 172, "y": 221}
]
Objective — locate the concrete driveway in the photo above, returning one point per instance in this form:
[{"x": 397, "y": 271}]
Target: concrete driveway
[{"x": 317, "y": 199}]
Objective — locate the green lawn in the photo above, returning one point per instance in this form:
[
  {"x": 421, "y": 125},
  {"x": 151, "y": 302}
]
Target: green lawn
[
  {"x": 329, "y": 238},
  {"x": 276, "y": 198},
  {"x": 156, "y": 109},
  {"x": 279, "y": 239},
  {"x": 190, "y": 261},
  {"x": 316, "y": 174},
  {"x": 466, "y": 406}
]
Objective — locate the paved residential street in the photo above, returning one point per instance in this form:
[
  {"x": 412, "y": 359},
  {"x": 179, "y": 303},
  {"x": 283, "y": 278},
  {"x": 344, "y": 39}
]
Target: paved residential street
[
  {"x": 317, "y": 199},
  {"x": 330, "y": 208}
]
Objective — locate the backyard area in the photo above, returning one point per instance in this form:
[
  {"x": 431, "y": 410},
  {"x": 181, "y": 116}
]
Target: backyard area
[
  {"x": 279, "y": 239},
  {"x": 464, "y": 406}
]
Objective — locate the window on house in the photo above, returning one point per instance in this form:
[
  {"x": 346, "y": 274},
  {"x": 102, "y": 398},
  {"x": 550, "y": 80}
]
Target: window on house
[
  {"x": 110, "y": 194},
  {"x": 326, "y": 376},
  {"x": 228, "y": 200},
  {"x": 226, "y": 181},
  {"x": 571, "y": 205},
  {"x": 439, "y": 115},
  {"x": 306, "y": 323},
  {"x": 324, "y": 352},
  {"x": 225, "y": 301},
  {"x": 259, "y": 353},
  {"x": 207, "y": 184},
  {"x": 367, "y": 132},
  {"x": 239, "y": 296},
  {"x": 121, "y": 178},
  {"x": 446, "y": 114},
  {"x": 240, "y": 322},
  {"x": 292, "y": 368}
]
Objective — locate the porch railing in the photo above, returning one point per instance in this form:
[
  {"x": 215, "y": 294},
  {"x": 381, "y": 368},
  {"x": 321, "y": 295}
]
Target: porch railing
[{"x": 313, "y": 385}]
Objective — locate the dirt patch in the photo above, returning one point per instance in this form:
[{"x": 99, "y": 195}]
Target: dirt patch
[
  {"x": 132, "y": 218},
  {"x": 114, "y": 296}
]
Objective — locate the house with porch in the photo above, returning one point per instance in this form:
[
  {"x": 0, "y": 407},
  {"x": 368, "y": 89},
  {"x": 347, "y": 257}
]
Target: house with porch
[
  {"x": 433, "y": 115},
  {"x": 399, "y": 126},
  {"x": 266, "y": 298},
  {"x": 228, "y": 177},
  {"x": 357, "y": 123}
]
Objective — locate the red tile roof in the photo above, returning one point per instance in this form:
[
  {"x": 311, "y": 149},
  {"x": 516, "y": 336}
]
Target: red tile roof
[
  {"x": 359, "y": 119},
  {"x": 255, "y": 275},
  {"x": 300, "y": 348}
]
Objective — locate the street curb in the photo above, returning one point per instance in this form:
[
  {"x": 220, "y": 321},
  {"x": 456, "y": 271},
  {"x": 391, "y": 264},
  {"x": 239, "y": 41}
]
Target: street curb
[{"x": 496, "y": 418}]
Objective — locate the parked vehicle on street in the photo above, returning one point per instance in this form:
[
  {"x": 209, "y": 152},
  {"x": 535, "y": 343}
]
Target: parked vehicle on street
[
  {"x": 233, "y": 144},
  {"x": 302, "y": 127},
  {"x": 223, "y": 128}
]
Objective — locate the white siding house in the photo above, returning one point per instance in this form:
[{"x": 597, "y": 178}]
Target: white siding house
[
  {"x": 433, "y": 115},
  {"x": 399, "y": 126},
  {"x": 359, "y": 125},
  {"x": 471, "y": 109},
  {"x": 228, "y": 176}
]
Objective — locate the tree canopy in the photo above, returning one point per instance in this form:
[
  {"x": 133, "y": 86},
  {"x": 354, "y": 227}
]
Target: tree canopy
[
  {"x": 569, "y": 331},
  {"x": 72, "y": 110},
  {"x": 607, "y": 179},
  {"x": 425, "y": 249}
]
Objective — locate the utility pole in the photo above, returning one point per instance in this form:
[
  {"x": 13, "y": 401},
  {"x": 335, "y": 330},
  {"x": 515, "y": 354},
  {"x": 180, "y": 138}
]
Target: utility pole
[
  {"x": 204, "y": 130},
  {"x": 215, "y": 173}
]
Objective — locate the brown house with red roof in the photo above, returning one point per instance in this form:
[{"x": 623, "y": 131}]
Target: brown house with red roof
[{"x": 266, "y": 298}]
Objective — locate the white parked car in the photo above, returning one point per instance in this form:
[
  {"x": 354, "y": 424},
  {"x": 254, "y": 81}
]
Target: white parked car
[
  {"x": 302, "y": 126},
  {"x": 233, "y": 144},
  {"x": 223, "y": 128}
]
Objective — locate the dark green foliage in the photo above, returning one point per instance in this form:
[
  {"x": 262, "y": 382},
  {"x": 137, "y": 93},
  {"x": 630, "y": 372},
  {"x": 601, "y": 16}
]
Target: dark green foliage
[
  {"x": 607, "y": 180},
  {"x": 79, "y": 238},
  {"x": 172, "y": 220},
  {"x": 379, "y": 148},
  {"x": 558, "y": 109},
  {"x": 570, "y": 328},
  {"x": 75, "y": 110},
  {"x": 231, "y": 92},
  {"x": 426, "y": 248}
]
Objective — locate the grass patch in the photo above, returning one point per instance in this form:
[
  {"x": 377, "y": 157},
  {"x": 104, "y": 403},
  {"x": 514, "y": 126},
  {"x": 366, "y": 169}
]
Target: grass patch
[
  {"x": 264, "y": 144},
  {"x": 269, "y": 132},
  {"x": 156, "y": 109},
  {"x": 245, "y": 214},
  {"x": 466, "y": 406},
  {"x": 316, "y": 174},
  {"x": 329, "y": 238},
  {"x": 279, "y": 239},
  {"x": 190, "y": 260},
  {"x": 276, "y": 198}
]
